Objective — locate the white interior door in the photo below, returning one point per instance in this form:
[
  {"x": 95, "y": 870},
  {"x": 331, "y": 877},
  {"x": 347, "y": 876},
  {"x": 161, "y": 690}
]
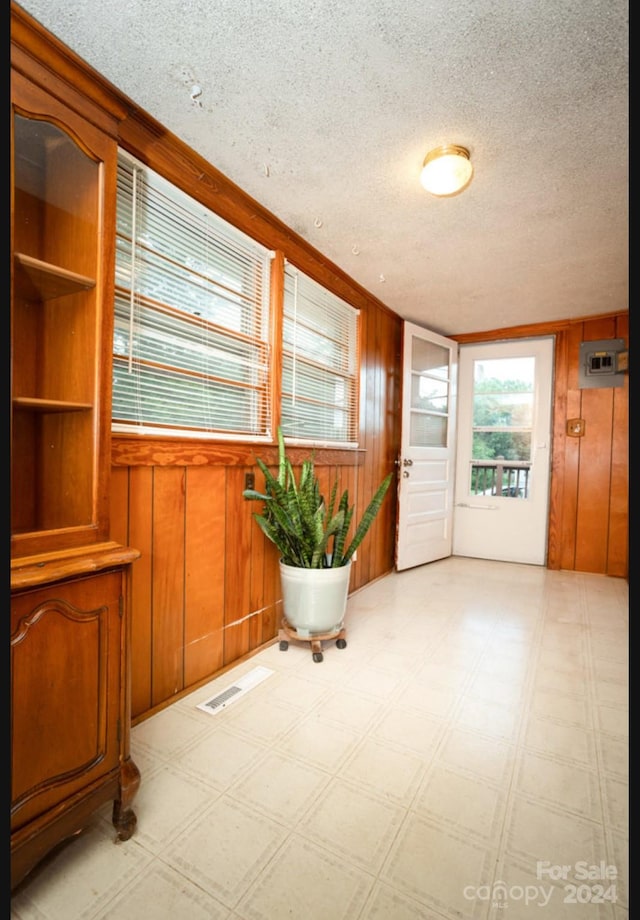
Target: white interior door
[
  {"x": 503, "y": 450},
  {"x": 426, "y": 464}
]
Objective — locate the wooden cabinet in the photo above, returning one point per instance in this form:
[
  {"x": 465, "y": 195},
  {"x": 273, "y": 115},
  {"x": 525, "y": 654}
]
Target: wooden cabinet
[
  {"x": 69, "y": 704},
  {"x": 70, "y": 681}
]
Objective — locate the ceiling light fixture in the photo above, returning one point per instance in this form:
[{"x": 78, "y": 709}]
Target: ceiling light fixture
[{"x": 446, "y": 170}]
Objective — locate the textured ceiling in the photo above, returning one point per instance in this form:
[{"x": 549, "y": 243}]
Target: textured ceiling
[{"x": 323, "y": 112}]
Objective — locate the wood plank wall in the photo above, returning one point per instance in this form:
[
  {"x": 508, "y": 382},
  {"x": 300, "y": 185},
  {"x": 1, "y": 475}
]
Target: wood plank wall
[{"x": 593, "y": 512}]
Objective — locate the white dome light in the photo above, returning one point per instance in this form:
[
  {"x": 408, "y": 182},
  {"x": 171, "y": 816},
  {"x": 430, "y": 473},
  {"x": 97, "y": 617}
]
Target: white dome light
[{"x": 446, "y": 170}]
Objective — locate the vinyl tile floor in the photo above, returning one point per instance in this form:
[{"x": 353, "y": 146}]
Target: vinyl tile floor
[{"x": 465, "y": 756}]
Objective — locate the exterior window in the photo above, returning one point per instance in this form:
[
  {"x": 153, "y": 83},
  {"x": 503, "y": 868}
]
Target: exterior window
[
  {"x": 191, "y": 338},
  {"x": 320, "y": 361}
]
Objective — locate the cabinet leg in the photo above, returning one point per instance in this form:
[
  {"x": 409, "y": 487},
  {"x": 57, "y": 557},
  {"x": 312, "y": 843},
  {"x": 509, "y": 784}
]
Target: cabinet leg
[{"x": 123, "y": 817}]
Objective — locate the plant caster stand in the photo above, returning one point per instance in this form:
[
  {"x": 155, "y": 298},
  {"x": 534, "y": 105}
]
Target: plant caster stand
[{"x": 287, "y": 632}]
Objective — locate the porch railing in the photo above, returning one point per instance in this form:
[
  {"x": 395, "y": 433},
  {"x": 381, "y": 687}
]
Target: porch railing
[{"x": 506, "y": 478}]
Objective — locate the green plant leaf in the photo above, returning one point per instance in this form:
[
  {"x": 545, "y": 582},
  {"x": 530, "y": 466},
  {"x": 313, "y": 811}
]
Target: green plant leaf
[
  {"x": 368, "y": 517},
  {"x": 294, "y": 517}
]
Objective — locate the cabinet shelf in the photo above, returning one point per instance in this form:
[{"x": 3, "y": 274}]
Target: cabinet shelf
[
  {"x": 31, "y": 404},
  {"x": 38, "y": 280}
]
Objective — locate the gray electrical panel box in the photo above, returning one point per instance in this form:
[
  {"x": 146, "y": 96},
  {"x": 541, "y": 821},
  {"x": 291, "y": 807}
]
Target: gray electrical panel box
[{"x": 600, "y": 363}]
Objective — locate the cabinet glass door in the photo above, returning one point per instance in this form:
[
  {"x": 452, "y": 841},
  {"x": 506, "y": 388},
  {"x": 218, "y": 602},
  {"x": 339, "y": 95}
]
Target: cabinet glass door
[{"x": 56, "y": 239}]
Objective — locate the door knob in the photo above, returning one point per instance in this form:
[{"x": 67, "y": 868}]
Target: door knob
[
  {"x": 405, "y": 473},
  {"x": 407, "y": 462}
]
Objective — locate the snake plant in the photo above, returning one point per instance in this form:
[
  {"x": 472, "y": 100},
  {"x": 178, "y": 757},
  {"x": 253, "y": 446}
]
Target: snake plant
[{"x": 308, "y": 532}]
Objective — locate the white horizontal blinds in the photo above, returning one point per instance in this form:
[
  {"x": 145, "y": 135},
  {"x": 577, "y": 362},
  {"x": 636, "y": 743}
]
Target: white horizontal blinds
[
  {"x": 191, "y": 348},
  {"x": 320, "y": 362}
]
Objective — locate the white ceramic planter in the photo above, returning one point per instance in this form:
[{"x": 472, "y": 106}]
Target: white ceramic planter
[{"x": 315, "y": 600}]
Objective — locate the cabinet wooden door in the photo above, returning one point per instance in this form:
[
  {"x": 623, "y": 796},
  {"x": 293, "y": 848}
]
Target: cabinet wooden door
[
  {"x": 69, "y": 713},
  {"x": 66, "y": 661}
]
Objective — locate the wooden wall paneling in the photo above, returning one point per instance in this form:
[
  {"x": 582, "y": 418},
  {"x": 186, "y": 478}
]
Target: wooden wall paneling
[
  {"x": 358, "y": 577},
  {"x": 204, "y": 587},
  {"x": 571, "y": 469},
  {"x": 272, "y": 614},
  {"x": 592, "y": 521},
  {"x": 265, "y": 597},
  {"x": 618, "y": 550},
  {"x": 255, "y": 630},
  {"x": 622, "y": 327},
  {"x": 349, "y": 480},
  {"x": 390, "y": 444},
  {"x": 256, "y": 579},
  {"x": 238, "y": 532},
  {"x": 119, "y": 505},
  {"x": 149, "y": 450},
  {"x": 272, "y": 610},
  {"x": 558, "y": 451},
  {"x": 140, "y": 511},
  {"x": 363, "y": 561},
  {"x": 168, "y": 557},
  {"x": 594, "y": 481}
]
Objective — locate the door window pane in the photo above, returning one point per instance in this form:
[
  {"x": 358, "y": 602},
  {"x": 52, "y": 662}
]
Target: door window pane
[
  {"x": 503, "y": 404},
  {"x": 429, "y": 413}
]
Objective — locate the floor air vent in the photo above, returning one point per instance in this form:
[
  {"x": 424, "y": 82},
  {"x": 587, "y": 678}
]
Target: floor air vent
[{"x": 232, "y": 693}]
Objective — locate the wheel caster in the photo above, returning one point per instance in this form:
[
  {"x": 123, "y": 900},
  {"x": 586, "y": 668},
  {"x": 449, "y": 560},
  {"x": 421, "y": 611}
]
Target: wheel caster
[
  {"x": 317, "y": 656},
  {"x": 341, "y": 643},
  {"x": 284, "y": 645}
]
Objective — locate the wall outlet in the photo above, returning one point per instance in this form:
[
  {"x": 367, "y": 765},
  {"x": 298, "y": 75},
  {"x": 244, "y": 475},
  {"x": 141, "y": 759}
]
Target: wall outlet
[{"x": 249, "y": 481}]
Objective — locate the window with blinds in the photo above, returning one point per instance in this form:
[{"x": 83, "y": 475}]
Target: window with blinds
[
  {"x": 191, "y": 338},
  {"x": 320, "y": 361}
]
